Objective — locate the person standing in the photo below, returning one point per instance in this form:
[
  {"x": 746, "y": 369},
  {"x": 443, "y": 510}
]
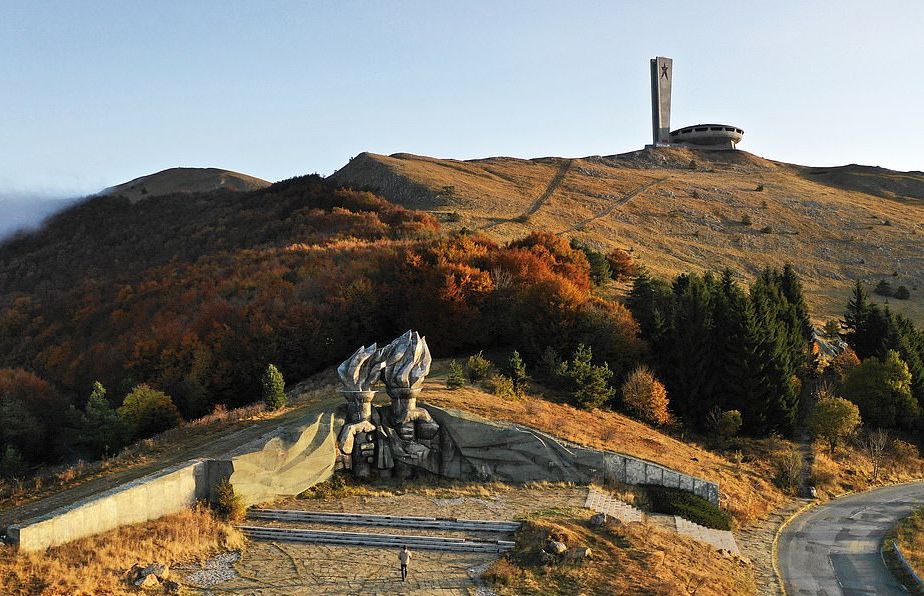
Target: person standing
[{"x": 404, "y": 556}]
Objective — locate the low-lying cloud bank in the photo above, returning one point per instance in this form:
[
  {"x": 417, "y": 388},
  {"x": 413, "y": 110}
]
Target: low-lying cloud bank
[{"x": 24, "y": 211}]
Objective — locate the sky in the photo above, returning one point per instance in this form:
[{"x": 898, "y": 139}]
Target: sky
[{"x": 93, "y": 94}]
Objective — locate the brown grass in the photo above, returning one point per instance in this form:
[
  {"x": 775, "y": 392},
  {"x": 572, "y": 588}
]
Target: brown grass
[
  {"x": 746, "y": 491},
  {"x": 909, "y": 534},
  {"x": 96, "y": 565},
  {"x": 849, "y": 469},
  {"x": 690, "y": 222},
  {"x": 626, "y": 559}
]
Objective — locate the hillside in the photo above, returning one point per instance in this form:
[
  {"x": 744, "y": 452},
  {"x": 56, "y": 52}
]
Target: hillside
[
  {"x": 679, "y": 210},
  {"x": 185, "y": 181}
]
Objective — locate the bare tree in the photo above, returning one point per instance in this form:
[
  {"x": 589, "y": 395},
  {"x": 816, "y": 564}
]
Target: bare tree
[{"x": 876, "y": 445}]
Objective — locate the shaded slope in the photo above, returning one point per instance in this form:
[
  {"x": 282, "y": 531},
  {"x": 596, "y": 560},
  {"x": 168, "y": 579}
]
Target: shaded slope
[{"x": 185, "y": 181}]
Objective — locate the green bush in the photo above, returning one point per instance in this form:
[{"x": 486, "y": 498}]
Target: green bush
[
  {"x": 902, "y": 293},
  {"x": 600, "y": 271},
  {"x": 456, "y": 377},
  {"x": 148, "y": 411},
  {"x": 228, "y": 504},
  {"x": 274, "y": 394},
  {"x": 502, "y": 386},
  {"x": 674, "y": 501},
  {"x": 477, "y": 368},
  {"x": 552, "y": 368},
  {"x": 884, "y": 288}
]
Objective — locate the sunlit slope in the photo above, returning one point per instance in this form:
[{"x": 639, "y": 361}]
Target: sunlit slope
[{"x": 679, "y": 210}]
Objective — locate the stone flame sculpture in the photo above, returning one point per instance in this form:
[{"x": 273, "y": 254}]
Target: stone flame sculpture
[
  {"x": 400, "y": 436},
  {"x": 358, "y": 374}
]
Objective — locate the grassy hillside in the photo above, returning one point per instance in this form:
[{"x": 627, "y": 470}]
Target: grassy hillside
[
  {"x": 682, "y": 210},
  {"x": 185, "y": 181}
]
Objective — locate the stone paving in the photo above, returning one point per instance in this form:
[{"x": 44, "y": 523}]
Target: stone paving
[
  {"x": 267, "y": 568},
  {"x": 756, "y": 544},
  {"x": 290, "y": 568}
]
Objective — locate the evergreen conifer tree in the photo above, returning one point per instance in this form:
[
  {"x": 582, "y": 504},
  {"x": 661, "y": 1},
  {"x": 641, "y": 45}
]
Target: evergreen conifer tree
[
  {"x": 855, "y": 321},
  {"x": 456, "y": 377},
  {"x": 104, "y": 432},
  {"x": 518, "y": 374},
  {"x": 689, "y": 367},
  {"x": 274, "y": 395}
]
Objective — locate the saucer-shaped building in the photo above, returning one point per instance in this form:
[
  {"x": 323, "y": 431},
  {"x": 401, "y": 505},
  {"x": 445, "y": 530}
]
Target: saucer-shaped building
[{"x": 707, "y": 136}]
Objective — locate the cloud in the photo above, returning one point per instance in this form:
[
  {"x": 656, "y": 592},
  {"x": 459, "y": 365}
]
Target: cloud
[{"x": 20, "y": 211}]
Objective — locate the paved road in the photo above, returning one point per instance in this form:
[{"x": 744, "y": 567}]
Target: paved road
[{"x": 834, "y": 548}]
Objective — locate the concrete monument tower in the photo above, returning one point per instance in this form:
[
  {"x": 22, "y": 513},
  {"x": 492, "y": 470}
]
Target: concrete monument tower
[{"x": 661, "y": 76}]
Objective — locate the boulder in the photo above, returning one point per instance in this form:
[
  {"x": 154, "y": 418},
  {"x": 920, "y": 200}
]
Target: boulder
[
  {"x": 133, "y": 574},
  {"x": 147, "y": 581},
  {"x": 578, "y": 553},
  {"x": 556, "y": 548},
  {"x": 599, "y": 520},
  {"x": 159, "y": 569}
]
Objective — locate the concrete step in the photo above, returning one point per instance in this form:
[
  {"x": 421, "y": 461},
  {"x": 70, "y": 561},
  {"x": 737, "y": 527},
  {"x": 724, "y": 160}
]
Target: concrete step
[
  {"x": 604, "y": 503},
  {"x": 720, "y": 539},
  {"x": 395, "y": 521},
  {"x": 377, "y": 540}
]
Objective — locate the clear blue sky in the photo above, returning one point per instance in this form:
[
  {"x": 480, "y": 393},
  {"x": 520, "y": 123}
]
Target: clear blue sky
[{"x": 96, "y": 93}]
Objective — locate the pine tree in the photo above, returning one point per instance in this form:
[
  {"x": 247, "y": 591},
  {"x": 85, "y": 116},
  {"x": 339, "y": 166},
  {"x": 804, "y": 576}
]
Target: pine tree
[
  {"x": 456, "y": 377},
  {"x": 518, "y": 374},
  {"x": 688, "y": 371},
  {"x": 734, "y": 340},
  {"x": 777, "y": 399},
  {"x": 104, "y": 432},
  {"x": 856, "y": 319},
  {"x": 792, "y": 290},
  {"x": 590, "y": 384},
  {"x": 651, "y": 302},
  {"x": 274, "y": 395}
]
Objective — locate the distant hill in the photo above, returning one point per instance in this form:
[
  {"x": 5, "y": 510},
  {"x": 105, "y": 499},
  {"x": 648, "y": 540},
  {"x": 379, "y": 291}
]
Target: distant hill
[
  {"x": 680, "y": 209},
  {"x": 185, "y": 181}
]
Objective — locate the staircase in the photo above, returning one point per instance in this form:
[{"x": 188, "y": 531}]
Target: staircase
[
  {"x": 604, "y": 503},
  {"x": 354, "y": 538}
]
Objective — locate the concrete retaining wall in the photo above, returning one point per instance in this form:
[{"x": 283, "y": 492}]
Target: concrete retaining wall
[{"x": 150, "y": 497}]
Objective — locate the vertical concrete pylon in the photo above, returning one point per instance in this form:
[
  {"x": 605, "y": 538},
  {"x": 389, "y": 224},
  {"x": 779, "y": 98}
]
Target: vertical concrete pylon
[{"x": 661, "y": 76}]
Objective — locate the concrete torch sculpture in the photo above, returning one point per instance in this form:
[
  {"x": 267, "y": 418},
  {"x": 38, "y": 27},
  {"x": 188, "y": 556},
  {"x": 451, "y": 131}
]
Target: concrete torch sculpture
[{"x": 399, "y": 437}]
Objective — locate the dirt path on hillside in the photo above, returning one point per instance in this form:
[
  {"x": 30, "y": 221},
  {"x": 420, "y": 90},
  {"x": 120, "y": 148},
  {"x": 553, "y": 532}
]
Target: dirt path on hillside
[
  {"x": 197, "y": 447},
  {"x": 536, "y": 205},
  {"x": 614, "y": 206}
]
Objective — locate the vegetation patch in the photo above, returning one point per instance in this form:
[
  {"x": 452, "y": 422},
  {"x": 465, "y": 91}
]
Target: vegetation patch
[
  {"x": 694, "y": 508},
  {"x": 908, "y": 535}
]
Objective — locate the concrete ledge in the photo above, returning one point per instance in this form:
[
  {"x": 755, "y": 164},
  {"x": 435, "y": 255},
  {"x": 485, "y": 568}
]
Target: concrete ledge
[{"x": 146, "y": 498}]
